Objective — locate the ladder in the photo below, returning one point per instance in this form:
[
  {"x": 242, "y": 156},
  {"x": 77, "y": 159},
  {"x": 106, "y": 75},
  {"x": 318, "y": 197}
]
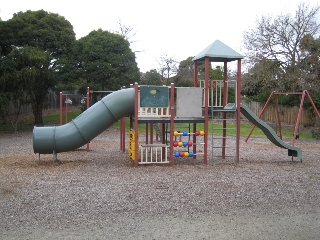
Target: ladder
[{"x": 220, "y": 141}]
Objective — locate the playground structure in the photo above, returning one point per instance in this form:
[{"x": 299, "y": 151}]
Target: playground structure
[
  {"x": 158, "y": 105},
  {"x": 162, "y": 108}
]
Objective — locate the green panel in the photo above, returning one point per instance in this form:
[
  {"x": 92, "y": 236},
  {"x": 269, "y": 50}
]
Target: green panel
[{"x": 154, "y": 96}]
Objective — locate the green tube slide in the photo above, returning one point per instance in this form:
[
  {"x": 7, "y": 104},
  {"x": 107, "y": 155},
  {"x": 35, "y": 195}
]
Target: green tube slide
[{"x": 86, "y": 126}]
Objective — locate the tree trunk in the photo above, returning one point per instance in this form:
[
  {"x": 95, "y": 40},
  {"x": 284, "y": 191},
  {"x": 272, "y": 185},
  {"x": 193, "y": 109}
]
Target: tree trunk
[{"x": 37, "y": 113}]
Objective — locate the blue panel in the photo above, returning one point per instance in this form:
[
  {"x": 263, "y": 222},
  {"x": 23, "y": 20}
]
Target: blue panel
[{"x": 154, "y": 96}]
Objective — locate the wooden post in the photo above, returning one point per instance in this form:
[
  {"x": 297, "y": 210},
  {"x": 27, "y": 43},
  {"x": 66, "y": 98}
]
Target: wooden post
[
  {"x": 88, "y": 105},
  {"x": 136, "y": 131},
  {"x": 224, "y": 102},
  {"x": 171, "y": 123},
  {"x": 66, "y": 108},
  {"x": 298, "y": 118},
  {"x": 278, "y": 115},
  {"x": 61, "y": 108},
  {"x": 238, "y": 95},
  {"x": 206, "y": 114}
]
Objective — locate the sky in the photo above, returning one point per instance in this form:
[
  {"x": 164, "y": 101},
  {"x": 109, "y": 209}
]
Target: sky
[{"x": 175, "y": 28}]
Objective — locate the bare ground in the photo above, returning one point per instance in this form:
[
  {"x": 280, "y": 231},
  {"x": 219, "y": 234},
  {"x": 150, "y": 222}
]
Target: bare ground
[{"x": 100, "y": 195}]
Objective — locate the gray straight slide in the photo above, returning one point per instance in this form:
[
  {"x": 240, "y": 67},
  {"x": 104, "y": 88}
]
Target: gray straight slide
[
  {"x": 268, "y": 131},
  {"x": 86, "y": 126}
]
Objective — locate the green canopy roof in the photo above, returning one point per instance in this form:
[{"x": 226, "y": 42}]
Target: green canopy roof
[{"x": 218, "y": 52}]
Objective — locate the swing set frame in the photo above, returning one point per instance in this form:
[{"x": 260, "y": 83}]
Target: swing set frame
[{"x": 275, "y": 94}]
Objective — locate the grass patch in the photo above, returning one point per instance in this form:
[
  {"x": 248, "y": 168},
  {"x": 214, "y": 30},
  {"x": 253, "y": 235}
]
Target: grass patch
[
  {"x": 245, "y": 129},
  {"x": 53, "y": 118},
  {"x": 50, "y": 118}
]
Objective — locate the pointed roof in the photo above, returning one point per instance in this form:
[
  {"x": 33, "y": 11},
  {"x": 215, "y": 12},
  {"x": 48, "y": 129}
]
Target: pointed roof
[{"x": 218, "y": 52}]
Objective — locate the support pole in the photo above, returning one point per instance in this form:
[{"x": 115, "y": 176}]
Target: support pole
[
  {"x": 123, "y": 131},
  {"x": 136, "y": 132},
  {"x": 206, "y": 114},
  {"x": 313, "y": 105},
  {"x": 238, "y": 95},
  {"x": 66, "y": 108},
  {"x": 147, "y": 132},
  {"x": 151, "y": 133},
  {"x": 121, "y": 149},
  {"x": 131, "y": 122},
  {"x": 224, "y": 102},
  {"x": 88, "y": 105},
  {"x": 194, "y": 139},
  {"x": 60, "y": 108},
  {"x": 298, "y": 118},
  {"x": 171, "y": 122},
  {"x": 121, "y": 135},
  {"x": 195, "y": 83},
  {"x": 278, "y": 115},
  {"x": 163, "y": 140},
  {"x": 54, "y": 156}
]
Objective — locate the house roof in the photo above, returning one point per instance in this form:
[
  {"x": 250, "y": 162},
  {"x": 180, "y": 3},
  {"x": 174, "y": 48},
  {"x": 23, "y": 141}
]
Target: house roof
[{"x": 218, "y": 52}]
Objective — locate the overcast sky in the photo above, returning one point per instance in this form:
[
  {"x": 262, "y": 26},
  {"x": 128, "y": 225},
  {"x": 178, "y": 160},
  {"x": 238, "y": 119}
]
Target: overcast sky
[{"x": 177, "y": 28}]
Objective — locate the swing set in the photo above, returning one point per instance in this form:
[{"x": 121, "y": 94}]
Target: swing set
[{"x": 275, "y": 94}]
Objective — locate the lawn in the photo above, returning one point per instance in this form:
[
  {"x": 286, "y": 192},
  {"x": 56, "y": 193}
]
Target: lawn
[{"x": 53, "y": 118}]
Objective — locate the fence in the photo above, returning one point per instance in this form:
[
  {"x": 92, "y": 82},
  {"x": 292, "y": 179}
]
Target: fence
[
  {"x": 52, "y": 102},
  {"x": 288, "y": 115}
]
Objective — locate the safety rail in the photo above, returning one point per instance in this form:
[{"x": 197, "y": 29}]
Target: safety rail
[
  {"x": 154, "y": 112},
  {"x": 153, "y": 153},
  {"x": 216, "y": 92}
]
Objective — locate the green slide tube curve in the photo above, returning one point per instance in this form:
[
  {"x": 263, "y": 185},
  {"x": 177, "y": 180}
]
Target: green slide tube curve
[{"x": 86, "y": 126}]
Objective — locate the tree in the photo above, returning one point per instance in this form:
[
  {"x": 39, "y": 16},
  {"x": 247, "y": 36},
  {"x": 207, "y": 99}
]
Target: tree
[
  {"x": 128, "y": 33},
  {"x": 185, "y": 70},
  {"x": 151, "y": 77},
  {"x": 39, "y": 40},
  {"x": 167, "y": 67},
  {"x": 18, "y": 79},
  {"x": 265, "y": 75},
  {"x": 181, "y": 82},
  {"x": 216, "y": 74},
  {"x": 278, "y": 40},
  {"x": 310, "y": 66},
  {"x": 310, "y": 61},
  {"x": 105, "y": 61}
]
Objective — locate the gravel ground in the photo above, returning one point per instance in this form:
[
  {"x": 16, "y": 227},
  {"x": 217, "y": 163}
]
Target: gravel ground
[{"x": 100, "y": 195}]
